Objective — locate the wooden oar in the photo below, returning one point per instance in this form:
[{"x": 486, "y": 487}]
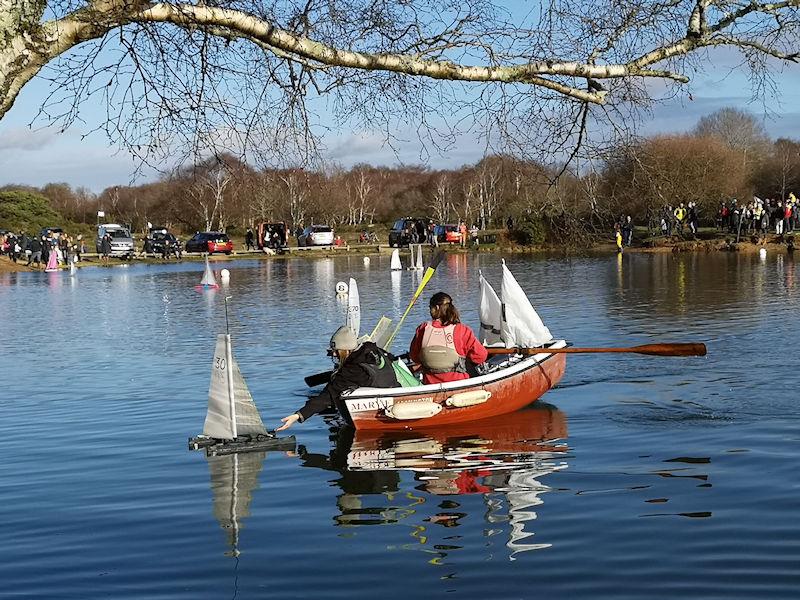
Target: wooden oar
[
  {"x": 692, "y": 349},
  {"x": 425, "y": 279}
]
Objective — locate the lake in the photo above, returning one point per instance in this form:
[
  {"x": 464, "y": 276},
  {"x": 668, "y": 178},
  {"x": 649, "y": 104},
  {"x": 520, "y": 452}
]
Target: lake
[{"x": 637, "y": 477}]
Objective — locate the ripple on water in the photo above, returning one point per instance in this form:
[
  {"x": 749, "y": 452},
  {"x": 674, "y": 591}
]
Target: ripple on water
[{"x": 643, "y": 478}]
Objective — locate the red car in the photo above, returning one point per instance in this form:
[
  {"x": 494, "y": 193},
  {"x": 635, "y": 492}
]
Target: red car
[
  {"x": 210, "y": 241},
  {"x": 447, "y": 234}
]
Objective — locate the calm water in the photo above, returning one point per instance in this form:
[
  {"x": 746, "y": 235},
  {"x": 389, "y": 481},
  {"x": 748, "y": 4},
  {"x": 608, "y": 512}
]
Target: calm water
[{"x": 638, "y": 477}]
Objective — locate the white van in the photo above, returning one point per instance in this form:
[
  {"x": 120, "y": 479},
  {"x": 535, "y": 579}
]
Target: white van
[{"x": 121, "y": 240}]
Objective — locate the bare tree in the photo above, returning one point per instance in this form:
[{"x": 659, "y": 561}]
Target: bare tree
[
  {"x": 208, "y": 195},
  {"x": 442, "y": 199},
  {"x": 246, "y": 74},
  {"x": 296, "y": 195}
]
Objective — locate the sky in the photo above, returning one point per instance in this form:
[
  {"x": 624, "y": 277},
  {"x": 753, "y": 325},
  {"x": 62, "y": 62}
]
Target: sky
[{"x": 35, "y": 155}]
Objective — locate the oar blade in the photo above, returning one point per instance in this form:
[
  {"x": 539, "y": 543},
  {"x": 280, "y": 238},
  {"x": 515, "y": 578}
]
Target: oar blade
[
  {"x": 690, "y": 349},
  {"x": 318, "y": 379}
]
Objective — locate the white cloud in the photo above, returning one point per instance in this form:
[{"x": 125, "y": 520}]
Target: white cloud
[{"x": 24, "y": 139}]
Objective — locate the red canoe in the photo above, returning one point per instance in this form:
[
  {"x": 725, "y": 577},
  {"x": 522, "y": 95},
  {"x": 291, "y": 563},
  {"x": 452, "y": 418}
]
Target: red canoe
[{"x": 513, "y": 383}]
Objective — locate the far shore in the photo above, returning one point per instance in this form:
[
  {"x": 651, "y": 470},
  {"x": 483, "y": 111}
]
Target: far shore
[{"x": 655, "y": 245}]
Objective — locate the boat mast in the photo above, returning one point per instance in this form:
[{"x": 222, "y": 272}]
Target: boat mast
[{"x": 229, "y": 366}]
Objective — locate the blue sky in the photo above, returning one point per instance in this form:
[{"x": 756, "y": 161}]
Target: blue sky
[{"x": 38, "y": 155}]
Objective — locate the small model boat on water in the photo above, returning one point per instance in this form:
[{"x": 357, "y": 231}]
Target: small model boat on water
[
  {"x": 233, "y": 423},
  {"x": 505, "y": 383}
]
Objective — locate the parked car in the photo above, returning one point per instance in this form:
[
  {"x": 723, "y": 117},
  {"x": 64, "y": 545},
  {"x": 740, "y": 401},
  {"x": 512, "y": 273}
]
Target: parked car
[
  {"x": 316, "y": 235},
  {"x": 161, "y": 241},
  {"x": 121, "y": 239},
  {"x": 209, "y": 241},
  {"x": 272, "y": 235},
  {"x": 447, "y": 234},
  {"x": 48, "y": 231},
  {"x": 408, "y": 231}
]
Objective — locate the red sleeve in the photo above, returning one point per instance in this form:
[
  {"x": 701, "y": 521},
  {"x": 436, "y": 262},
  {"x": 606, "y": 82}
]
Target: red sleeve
[
  {"x": 469, "y": 346},
  {"x": 416, "y": 344}
]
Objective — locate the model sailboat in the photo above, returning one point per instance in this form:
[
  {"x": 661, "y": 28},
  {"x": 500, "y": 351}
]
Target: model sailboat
[
  {"x": 396, "y": 265},
  {"x": 233, "y": 423},
  {"x": 208, "y": 281},
  {"x": 416, "y": 257},
  {"x": 353, "y": 308}
]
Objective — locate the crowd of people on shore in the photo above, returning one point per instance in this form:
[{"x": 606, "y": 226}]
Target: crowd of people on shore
[
  {"x": 36, "y": 249},
  {"x": 755, "y": 219},
  {"x": 759, "y": 217}
]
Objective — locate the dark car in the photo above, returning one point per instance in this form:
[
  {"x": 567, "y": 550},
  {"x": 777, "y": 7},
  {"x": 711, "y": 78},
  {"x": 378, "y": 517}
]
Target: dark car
[
  {"x": 272, "y": 235},
  {"x": 160, "y": 241},
  {"x": 408, "y": 231},
  {"x": 209, "y": 241},
  {"x": 48, "y": 231}
]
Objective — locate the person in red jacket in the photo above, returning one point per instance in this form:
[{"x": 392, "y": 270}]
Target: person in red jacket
[{"x": 444, "y": 344}]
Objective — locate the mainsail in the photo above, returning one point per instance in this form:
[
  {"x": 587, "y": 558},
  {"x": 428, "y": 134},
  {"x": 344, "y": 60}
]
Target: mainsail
[
  {"x": 396, "y": 265},
  {"x": 231, "y": 410},
  {"x": 521, "y": 325},
  {"x": 491, "y": 314},
  {"x": 208, "y": 277},
  {"x": 416, "y": 257},
  {"x": 353, "y": 308}
]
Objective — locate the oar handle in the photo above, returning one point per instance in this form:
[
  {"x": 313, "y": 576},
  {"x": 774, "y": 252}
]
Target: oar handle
[{"x": 688, "y": 349}]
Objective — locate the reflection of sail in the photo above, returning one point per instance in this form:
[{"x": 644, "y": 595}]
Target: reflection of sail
[
  {"x": 234, "y": 477},
  {"x": 523, "y": 492},
  {"x": 396, "y": 275}
]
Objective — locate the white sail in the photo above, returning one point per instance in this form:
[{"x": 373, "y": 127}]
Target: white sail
[
  {"x": 382, "y": 332},
  {"x": 521, "y": 325},
  {"x": 396, "y": 264},
  {"x": 491, "y": 314},
  {"x": 353, "y": 308},
  {"x": 416, "y": 257},
  {"x": 208, "y": 276},
  {"x": 228, "y": 417}
]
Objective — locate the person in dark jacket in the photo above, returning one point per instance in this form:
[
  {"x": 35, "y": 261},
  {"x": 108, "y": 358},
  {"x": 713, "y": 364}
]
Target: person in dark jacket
[
  {"x": 367, "y": 365},
  {"x": 36, "y": 253}
]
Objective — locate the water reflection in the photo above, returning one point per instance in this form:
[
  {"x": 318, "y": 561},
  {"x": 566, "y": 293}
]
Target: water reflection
[
  {"x": 234, "y": 477},
  {"x": 501, "y": 460}
]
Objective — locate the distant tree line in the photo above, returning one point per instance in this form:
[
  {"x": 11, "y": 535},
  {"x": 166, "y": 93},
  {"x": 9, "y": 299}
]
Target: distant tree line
[{"x": 728, "y": 155}]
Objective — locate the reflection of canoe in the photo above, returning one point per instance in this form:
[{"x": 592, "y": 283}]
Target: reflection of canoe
[
  {"x": 497, "y": 443},
  {"x": 510, "y": 385}
]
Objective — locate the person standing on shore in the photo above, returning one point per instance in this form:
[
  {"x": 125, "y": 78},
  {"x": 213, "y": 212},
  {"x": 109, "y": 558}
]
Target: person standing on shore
[
  {"x": 36, "y": 253},
  {"x": 618, "y": 237},
  {"x": 248, "y": 239},
  {"x": 105, "y": 247}
]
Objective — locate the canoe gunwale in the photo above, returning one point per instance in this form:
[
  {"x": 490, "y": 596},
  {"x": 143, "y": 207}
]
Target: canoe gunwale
[{"x": 457, "y": 386}]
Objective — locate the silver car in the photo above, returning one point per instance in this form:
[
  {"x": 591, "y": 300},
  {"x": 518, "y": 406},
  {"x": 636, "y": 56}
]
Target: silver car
[
  {"x": 121, "y": 240},
  {"x": 316, "y": 235}
]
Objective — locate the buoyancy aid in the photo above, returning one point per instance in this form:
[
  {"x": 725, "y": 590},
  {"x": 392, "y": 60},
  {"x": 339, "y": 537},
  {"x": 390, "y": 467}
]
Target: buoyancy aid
[
  {"x": 680, "y": 213},
  {"x": 438, "y": 352}
]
